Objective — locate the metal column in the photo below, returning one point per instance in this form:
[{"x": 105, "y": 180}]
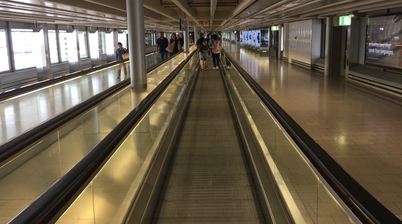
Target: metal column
[
  {"x": 44, "y": 69},
  {"x": 328, "y": 34},
  {"x": 186, "y": 39},
  {"x": 195, "y": 34},
  {"x": 279, "y": 50},
  {"x": 136, "y": 37},
  {"x": 10, "y": 47}
]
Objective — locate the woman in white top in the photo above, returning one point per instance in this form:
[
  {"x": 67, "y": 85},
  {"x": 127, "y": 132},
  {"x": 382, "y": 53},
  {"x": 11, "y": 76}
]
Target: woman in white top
[{"x": 216, "y": 50}]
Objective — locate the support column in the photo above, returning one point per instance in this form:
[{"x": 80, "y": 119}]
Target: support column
[
  {"x": 115, "y": 41},
  {"x": 44, "y": 65},
  {"x": 328, "y": 34},
  {"x": 186, "y": 39},
  {"x": 135, "y": 25},
  {"x": 195, "y": 34},
  {"x": 278, "y": 56},
  {"x": 10, "y": 47}
]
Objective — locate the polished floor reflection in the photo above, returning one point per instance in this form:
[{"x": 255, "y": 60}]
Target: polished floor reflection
[
  {"x": 23, "y": 182},
  {"x": 361, "y": 131},
  {"x": 22, "y": 113}
]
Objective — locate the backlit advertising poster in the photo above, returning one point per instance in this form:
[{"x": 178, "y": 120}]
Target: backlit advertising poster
[
  {"x": 249, "y": 37},
  {"x": 384, "y": 41},
  {"x": 264, "y": 38},
  {"x": 244, "y": 37},
  {"x": 253, "y": 37},
  {"x": 257, "y": 43}
]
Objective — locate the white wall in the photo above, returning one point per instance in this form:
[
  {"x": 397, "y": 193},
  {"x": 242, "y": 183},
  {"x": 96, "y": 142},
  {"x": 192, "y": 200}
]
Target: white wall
[{"x": 304, "y": 41}]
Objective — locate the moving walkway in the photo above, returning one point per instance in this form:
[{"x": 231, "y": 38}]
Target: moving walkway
[
  {"x": 31, "y": 165},
  {"x": 204, "y": 148}
]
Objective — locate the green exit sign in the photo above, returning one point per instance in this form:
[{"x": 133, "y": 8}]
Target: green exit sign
[
  {"x": 274, "y": 28},
  {"x": 345, "y": 20}
]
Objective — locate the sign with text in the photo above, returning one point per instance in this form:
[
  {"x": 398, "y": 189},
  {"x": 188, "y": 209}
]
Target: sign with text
[{"x": 206, "y": 23}]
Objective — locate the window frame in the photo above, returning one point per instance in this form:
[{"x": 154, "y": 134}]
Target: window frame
[
  {"x": 57, "y": 46},
  {"x": 7, "y": 37}
]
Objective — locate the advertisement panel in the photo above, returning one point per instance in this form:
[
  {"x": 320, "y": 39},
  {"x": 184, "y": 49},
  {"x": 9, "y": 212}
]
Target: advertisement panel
[
  {"x": 264, "y": 38},
  {"x": 253, "y": 37},
  {"x": 384, "y": 41}
]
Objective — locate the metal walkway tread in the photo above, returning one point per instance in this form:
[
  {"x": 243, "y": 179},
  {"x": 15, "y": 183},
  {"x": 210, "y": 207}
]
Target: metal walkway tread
[{"x": 208, "y": 180}]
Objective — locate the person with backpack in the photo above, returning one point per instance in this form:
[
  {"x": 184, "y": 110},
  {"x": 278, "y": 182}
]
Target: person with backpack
[
  {"x": 120, "y": 51},
  {"x": 216, "y": 45},
  {"x": 203, "y": 49}
]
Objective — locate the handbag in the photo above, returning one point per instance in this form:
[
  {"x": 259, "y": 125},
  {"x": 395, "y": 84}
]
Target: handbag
[
  {"x": 170, "y": 48},
  {"x": 125, "y": 55}
]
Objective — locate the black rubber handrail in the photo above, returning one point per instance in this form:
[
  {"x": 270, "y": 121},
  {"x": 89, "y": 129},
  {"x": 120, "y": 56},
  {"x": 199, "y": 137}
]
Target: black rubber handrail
[
  {"x": 41, "y": 84},
  {"x": 56, "y": 199},
  {"x": 19, "y": 144},
  {"x": 364, "y": 206}
]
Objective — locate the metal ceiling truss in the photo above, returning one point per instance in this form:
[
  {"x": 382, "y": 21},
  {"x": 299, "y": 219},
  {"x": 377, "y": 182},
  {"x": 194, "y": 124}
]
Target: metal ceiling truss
[{"x": 165, "y": 14}]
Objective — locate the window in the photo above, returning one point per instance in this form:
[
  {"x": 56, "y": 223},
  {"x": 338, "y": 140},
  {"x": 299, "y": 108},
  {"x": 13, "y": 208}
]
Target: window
[
  {"x": 24, "y": 45},
  {"x": 63, "y": 37},
  {"x": 4, "y": 65},
  {"x": 54, "y": 52},
  {"x": 109, "y": 44},
  {"x": 82, "y": 41},
  {"x": 94, "y": 44},
  {"x": 122, "y": 38}
]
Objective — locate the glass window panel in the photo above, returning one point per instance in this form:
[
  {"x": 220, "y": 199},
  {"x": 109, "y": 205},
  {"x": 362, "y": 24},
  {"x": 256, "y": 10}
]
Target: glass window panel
[
  {"x": 24, "y": 45},
  {"x": 102, "y": 40},
  {"x": 94, "y": 44},
  {"x": 122, "y": 38},
  {"x": 4, "y": 65},
  {"x": 82, "y": 40},
  {"x": 109, "y": 44},
  {"x": 63, "y": 36},
  {"x": 54, "y": 52}
]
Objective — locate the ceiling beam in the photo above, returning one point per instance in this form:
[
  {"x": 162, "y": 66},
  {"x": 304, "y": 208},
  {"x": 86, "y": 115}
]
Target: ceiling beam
[
  {"x": 212, "y": 12},
  {"x": 155, "y": 6},
  {"x": 239, "y": 8},
  {"x": 183, "y": 5}
]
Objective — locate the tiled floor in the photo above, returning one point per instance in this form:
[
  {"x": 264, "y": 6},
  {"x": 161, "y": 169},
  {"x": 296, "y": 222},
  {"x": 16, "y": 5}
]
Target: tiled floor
[
  {"x": 26, "y": 181},
  {"x": 19, "y": 114},
  {"x": 362, "y": 132}
]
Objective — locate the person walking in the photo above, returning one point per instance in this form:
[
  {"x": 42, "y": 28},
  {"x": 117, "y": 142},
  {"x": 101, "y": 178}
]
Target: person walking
[
  {"x": 202, "y": 51},
  {"x": 181, "y": 40},
  {"x": 208, "y": 39},
  {"x": 161, "y": 45},
  {"x": 176, "y": 44},
  {"x": 119, "y": 57},
  {"x": 216, "y": 45}
]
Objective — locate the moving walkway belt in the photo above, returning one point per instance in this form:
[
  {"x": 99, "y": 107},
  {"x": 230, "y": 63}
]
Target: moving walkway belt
[{"x": 208, "y": 179}]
